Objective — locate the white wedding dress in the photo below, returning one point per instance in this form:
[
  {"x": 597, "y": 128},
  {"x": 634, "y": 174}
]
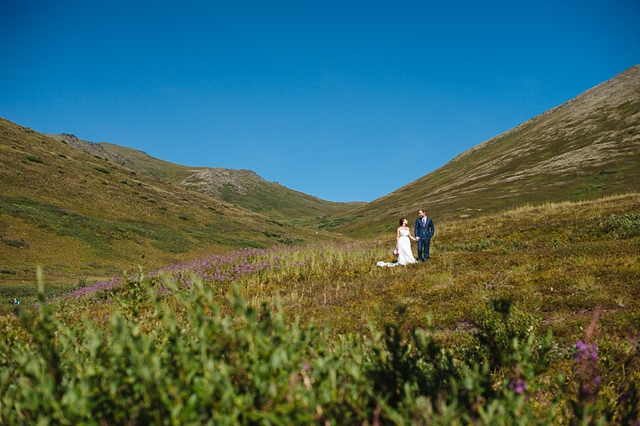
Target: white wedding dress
[{"x": 405, "y": 255}]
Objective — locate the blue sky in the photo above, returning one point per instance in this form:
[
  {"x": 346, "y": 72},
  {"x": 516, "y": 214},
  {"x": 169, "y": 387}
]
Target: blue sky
[{"x": 344, "y": 100}]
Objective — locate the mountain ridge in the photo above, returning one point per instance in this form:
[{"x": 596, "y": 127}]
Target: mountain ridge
[
  {"x": 584, "y": 148},
  {"x": 241, "y": 187}
]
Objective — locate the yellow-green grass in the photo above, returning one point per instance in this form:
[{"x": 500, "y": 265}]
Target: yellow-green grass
[{"x": 557, "y": 261}]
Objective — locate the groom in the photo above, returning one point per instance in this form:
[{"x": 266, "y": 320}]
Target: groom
[{"x": 423, "y": 231}]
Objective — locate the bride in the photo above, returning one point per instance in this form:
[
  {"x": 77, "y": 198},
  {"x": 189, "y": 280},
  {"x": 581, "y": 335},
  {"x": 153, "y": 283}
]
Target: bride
[{"x": 403, "y": 243}]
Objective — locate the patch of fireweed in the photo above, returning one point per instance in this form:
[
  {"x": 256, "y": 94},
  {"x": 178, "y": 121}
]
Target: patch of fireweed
[
  {"x": 589, "y": 405},
  {"x": 586, "y": 373},
  {"x": 586, "y": 367}
]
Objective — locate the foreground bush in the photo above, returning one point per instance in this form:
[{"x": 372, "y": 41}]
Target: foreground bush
[
  {"x": 177, "y": 358},
  {"x": 198, "y": 366}
]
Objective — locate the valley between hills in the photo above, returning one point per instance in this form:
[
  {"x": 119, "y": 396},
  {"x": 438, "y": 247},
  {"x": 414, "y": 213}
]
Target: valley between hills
[
  {"x": 152, "y": 292},
  {"x": 87, "y": 210}
]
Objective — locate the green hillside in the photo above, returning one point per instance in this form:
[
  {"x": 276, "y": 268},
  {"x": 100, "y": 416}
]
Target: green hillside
[
  {"x": 244, "y": 188},
  {"x": 586, "y": 148},
  {"x": 80, "y": 215},
  {"x": 143, "y": 163}
]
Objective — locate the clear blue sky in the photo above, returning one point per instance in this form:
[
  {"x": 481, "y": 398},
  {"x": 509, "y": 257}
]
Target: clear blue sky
[{"x": 344, "y": 100}]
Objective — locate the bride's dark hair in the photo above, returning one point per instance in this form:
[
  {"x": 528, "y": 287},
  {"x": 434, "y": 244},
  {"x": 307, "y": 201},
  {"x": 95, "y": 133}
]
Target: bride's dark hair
[{"x": 401, "y": 220}]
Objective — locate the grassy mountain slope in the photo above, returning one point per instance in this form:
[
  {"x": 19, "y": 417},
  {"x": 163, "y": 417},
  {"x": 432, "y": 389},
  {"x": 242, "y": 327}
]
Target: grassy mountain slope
[
  {"x": 134, "y": 159},
  {"x": 245, "y": 188},
  {"x": 586, "y": 148},
  {"x": 78, "y": 214},
  {"x": 241, "y": 187}
]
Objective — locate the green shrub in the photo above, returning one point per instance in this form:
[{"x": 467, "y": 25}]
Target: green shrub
[
  {"x": 624, "y": 226},
  {"x": 35, "y": 159},
  {"x": 499, "y": 326},
  {"x": 18, "y": 243}
]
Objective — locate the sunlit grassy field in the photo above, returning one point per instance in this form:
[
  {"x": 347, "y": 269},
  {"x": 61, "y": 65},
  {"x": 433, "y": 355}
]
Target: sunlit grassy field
[{"x": 568, "y": 269}]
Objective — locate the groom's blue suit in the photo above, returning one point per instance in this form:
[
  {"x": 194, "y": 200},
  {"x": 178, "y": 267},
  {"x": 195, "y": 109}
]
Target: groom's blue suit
[{"x": 424, "y": 231}]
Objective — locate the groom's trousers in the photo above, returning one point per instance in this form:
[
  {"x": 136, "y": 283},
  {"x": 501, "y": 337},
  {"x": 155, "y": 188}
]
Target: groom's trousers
[{"x": 423, "y": 249}]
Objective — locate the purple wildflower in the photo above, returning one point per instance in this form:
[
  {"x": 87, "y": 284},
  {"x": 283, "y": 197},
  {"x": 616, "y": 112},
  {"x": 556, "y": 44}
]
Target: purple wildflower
[
  {"x": 518, "y": 385},
  {"x": 586, "y": 351},
  {"x": 586, "y": 369}
]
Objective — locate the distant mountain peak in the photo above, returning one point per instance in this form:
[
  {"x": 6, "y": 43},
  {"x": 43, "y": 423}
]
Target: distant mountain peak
[
  {"x": 211, "y": 180},
  {"x": 244, "y": 188},
  {"x": 93, "y": 148}
]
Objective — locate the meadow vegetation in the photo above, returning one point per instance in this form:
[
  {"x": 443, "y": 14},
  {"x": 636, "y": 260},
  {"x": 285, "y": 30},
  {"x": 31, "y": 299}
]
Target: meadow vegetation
[
  {"x": 529, "y": 316},
  {"x": 80, "y": 215}
]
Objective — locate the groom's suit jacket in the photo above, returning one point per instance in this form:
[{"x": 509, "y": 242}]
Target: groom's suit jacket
[{"x": 424, "y": 231}]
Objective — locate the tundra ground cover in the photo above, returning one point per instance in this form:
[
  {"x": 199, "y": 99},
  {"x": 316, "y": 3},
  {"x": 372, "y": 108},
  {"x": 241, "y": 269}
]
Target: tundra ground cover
[{"x": 464, "y": 338}]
